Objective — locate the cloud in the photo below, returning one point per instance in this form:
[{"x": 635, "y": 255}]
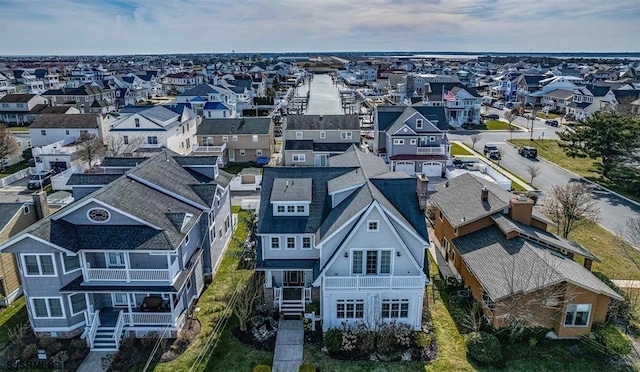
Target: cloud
[{"x": 183, "y": 26}]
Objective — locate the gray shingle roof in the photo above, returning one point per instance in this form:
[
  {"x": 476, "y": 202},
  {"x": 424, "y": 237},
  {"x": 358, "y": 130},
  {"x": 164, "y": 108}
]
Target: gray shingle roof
[
  {"x": 291, "y": 189},
  {"x": 17, "y": 98},
  {"x": 78, "y": 179},
  {"x": 85, "y": 121},
  {"x": 331, "y": 147},
  {"x": 298, "y": 145},
  {"x": 122, "y": 162},
  {"x": 196, "y": 160},
  {"x": 234, "y": 126},
  {"x": 7, "y": 211},
  {"x": 323, "y": 122},
  {"x": 505, "y": 267}
]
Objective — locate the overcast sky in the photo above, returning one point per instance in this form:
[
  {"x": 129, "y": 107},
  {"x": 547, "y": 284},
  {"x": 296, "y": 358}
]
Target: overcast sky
[{"x": 220, "y": 26}]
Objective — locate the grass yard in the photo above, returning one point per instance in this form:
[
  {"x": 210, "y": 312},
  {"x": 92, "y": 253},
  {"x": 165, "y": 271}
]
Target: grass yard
[
  {"x": 456, "y": 149},
  {"x": 493, "y": 125},
  {"x": 10, "y": 317},
  {"x": 230, "y": 355},
  {"x": 550, "y": 116},
  {"x": 14, "y": 168}
]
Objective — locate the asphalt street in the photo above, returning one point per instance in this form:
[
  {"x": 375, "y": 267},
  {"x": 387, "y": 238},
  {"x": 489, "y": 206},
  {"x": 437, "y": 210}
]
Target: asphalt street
[{"x": 614, "y": 210}]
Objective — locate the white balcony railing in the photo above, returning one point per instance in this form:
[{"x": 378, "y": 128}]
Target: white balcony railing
[
  {"x": 439, "y": 150},
  {"x": 205, "y": 148},
  {"x": 144, "y": 275},
  {"x": 149, "y": 318},
  {"x": 370, "y": 282}
]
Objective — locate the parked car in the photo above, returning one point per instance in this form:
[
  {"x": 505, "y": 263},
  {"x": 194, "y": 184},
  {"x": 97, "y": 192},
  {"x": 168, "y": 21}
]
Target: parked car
[
  {"x": 41, "y": 180},
  {"x": 553, "y": 123},
  {"x": 492, "y": 116},
  {"x": 490, "y": 147},
  {"x": 494, "y": 154},
  {"x": 528, "y": 152}
]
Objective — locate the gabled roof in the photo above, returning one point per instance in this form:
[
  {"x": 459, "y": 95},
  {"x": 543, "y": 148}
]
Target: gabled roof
[
  {"x": 215, "y": 106},
  {"x": 57, "y": 121},
  {"x": 7, "y": 211},
  {"x": 17, "y": 98},
  {"x": 323, "y": 122},
  {"x": 388, "y": 115},
  {"x": 234, "y": 126},
  {"x": 93, "y": 179},
  {"x": 199, "y": 90},
  {"x": 438, "y": 89}
]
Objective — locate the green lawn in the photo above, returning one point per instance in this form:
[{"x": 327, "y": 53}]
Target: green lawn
[
  {"x": 587, "y": 168},
  {"x": 496, "y": 125},
  {"x": 13, "y": 129},
  {"x": 456, "y": 149},
  {"x": 14, "y": 168},
  {"x": 11, "y": 317}
]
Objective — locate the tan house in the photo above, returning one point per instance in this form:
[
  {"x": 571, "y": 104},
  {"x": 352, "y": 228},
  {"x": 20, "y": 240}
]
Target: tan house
[
  {"x": 498, "y": 244},
  {"x": 238, "y": 140}
]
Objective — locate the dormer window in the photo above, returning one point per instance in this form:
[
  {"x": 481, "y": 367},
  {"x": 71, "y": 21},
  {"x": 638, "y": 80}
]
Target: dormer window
[
  {"x": 275, "y": 243},
  {"x": 291, "y": 208},
  {"x": 299, "y": 135},
  {"x": 346, "y": 136},
  {"x": 300, "y": 208},
  {"x": 419, "y": 124},
  {"x": 281, "y": 209},
  {"x": 137, "y": 121}
]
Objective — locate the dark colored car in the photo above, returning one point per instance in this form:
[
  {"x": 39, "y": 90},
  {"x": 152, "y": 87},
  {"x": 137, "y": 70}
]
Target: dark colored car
[
  {"x": 492, "y": 116},
  {"x": 37, "y": 179},
  {"x": 553, "y": 123},
  {"x": 528, "y": 152},
  {"x": 494, "y": 154}
]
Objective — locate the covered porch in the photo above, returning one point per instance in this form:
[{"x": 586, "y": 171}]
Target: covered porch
[{"x": 287, "y": 286}]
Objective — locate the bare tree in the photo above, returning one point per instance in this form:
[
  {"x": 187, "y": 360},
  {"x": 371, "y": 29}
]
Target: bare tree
[
  {"x": 571, "y": 206},
  {"x": 511, "y": 116},
  {"x": 89, "y": 147},
  {"x": 630, "y": 243},
  {"x": 247, "y": 295},
  {"x": 8, "y": 145},
  {"x": 534, "y": 171},
  {"x": 475, "y": 139},
  {"x": 117, "y": 146},
  {"x": 501, "y": 152}
]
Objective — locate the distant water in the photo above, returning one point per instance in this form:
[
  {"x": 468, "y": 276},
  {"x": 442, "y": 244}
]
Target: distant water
[{"x": 476, "y": 55}]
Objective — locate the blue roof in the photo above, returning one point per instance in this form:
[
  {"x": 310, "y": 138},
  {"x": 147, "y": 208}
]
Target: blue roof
[
  {"x": 198, "y": 99},
  {"x": 215, "y": 106}
]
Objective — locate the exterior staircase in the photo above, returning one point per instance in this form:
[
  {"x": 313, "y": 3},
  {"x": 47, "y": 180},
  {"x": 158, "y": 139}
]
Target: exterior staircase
[
  {"x": 292, "y": 307},
  {"x": 291, "y": 301},
  {"x": 105, "y": 336},
  {"x": 105, "y": 340}
]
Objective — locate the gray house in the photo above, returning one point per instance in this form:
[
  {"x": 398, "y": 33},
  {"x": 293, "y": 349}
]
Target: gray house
[
  {"x": 349, "y": 235},
  {"x": 312, "y": 139},
  {"x": 130, "y": 257},
  {"x": 412, "y": 139}
]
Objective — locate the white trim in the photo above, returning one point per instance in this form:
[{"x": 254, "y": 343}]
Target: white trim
[
  {"x": 116, "y": 265},
  {"x": 410, "y": 230},
  {"x": 95, "y": 221},
  {"x": 401, "y": 128},
  {"x": 378, "y": 261},
  {"x": 64, "y": 266},
  {"x": 399, "y": 238},
  {"x": 58, "y": 329},
  {"x": 286, "y": 241},
  {"x": 21, "y": 237},
  {"x": 344, "y": 225},
  {"x": 33, "y": 308},
  {"x": 94, "y": 200},
  {"x": 377, "y": 225},
  {"x": 310, "y": 243},
  {"x": 271, "y": 243},
  {"x": 24, "y": 265},
  {"x": 71, "y": 305}
]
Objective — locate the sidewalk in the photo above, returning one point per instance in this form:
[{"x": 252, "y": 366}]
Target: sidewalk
[
  {"x": 94, "y": 361},
  {"x": 510, "y": 176},
  {"x": 287, "y": 356},
  {"x": 434, "y": 251},
  {"x": 625, "y": 283}
]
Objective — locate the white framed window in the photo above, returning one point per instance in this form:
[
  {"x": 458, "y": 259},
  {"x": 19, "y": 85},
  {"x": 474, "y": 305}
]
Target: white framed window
[
  {"x": 577, "y": 315},
  {"x": 99, "y": 215},
  {"x": 432, "y": 138},
  {"x": 371, "y": 262},
  {"x": 455, "y": 231},
  {"x": 47, "y": 307},
  {"x": 152, "y": 140},
  {"x": 119, "y": 299},
  {"x": 346, "y": 136},
  {"x": 71, "y": 263},
  {"x": 115, "y": 259},
  {"x": 280, "y": 209},
  {"x": 398, "y": 141},
  {"x": 349, "y": 309},
  {"x": 242, "y": 152},
  {"x": 291, "y": 209},
  {"x": 306, "y": 242},
  {"x": 372, "y": 225},
  {"x": 26, "y": 209},
  {"x": 225, "y": 138},
  {"x": 299, "y": 135},
  {"x": 300, "y": 208},
  {"x": 254, "y": 138},
  {"x": 77, "y": 303},
  {"x": 39, "y": 265},
  {"x": 291, "y": 242},
  {"x": 419, "y": 124},
  {"x": 234, "y": 138},
  {"x": 137, "y": 122},
  {"x": 298, "y": 158},
  {"x": 275, "y": 242},
  {"x": 323, "y": 135},
  {"x": 258, "y": 152},
  {"x": 395, "y": 308},
  {"x": 412, "y": 141}
]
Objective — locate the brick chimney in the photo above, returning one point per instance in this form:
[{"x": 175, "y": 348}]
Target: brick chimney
[
  {"x": 422, "y": 190},
  {"x": 520, "y": 209},
  {"x": 40, "y": 204},
  {"x": 484, "y": 194}
]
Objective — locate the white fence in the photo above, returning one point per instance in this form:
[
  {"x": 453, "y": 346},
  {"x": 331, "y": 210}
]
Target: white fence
[
  {"x": 15, "y": 177},
  {"x": 59, "y": 181}
]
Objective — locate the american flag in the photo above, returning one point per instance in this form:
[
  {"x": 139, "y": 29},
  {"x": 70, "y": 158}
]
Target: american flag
[{"x": 449, "y": 96}]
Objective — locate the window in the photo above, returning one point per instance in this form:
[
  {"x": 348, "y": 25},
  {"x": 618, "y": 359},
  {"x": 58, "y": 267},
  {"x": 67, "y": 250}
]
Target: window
[
  {"x": 323, "y": 135},
  {"x": 412, "y": 141},
  {"x": 115, "y": 259},
  {"x": 39, "y": 265},
  {"x": 395, "y": 308},
  {"x": 5, "y": 105},
  {"x": 77, "y": 303},
  {"x": 119, "y": 299},
  {"x": 432, "y": 139},
  {"x": 372, "y": 262},
  {"x": 47, "y": 308},
  {"x": 372, "y": 226},
  {"x": 242, "y": 152},
  {"x": 346, "y": 135},
  {"x": 43, "y": 132},
  {"x": 298, "y": 158},
  {"x": 125, "y": 139},
  {"x": 385, "y": 262},
  {"x": 20, "y": 105},
  {"x": 299, "y": 135},
  {"x": 26, "y": 209},
  {"x": 398, "y": 142},
  {"x": 98, "y": 215},
  {"x": 291, "y": 209},
  {"x": 234, "y": 138},
  {"x": 577, "y": 315},
  {"x": 300, "y": 209},
  {"x": 137, "y": 121},
  {"x": 186, "y": 239},
  {"x": 291, "y": 242},
  {"x": 357, "y": 262},
  {"x": 254, "y": 138},
  {"x": 419, "y": 124},
  {"x": 152, "y": 140},
  {"x": 350, "y": 309},
  {"x": 455, "y": 231},
  {"x": 259, "y": 152},
  {"x": 66, "y": 132},
  {"x": 306, "y": 242},
  {"x": 275, "y": 243},
  {"x": 225, "y": 138},
  {"x": 440, "y": 215},
  {"x": 281, "y": 209},
  {"x": 71, "y": 263}
]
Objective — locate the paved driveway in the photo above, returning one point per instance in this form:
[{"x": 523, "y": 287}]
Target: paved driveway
[{"x": 16, "y": 192}]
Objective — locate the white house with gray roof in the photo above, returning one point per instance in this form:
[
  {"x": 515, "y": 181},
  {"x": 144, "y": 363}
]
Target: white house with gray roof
[
  {"x": 349, "y": 235},
  {"x": 130, "y": 257}
]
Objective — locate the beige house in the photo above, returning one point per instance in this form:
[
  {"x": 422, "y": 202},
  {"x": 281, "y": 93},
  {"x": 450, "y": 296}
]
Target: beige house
[{"x": 238, "y": 140}]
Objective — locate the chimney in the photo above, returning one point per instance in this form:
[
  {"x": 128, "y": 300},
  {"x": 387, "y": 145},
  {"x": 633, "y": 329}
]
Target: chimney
[
  {"x": 40, "y": 204},
  {"x": 484, "y": 195},
  {"x": 320, "y": 117},
  {"x": 587, "y": 264},
  {"x": 520, "y": 209},
  {"x": 422, "y": 191}
]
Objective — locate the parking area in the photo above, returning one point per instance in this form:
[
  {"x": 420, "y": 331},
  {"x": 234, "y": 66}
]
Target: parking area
[{"x": 16, "y": 192}]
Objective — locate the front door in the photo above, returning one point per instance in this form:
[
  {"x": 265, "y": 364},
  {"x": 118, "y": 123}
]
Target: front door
[
  {"x": 232, "y": 155},
  {"x": 293, "y": 278}
]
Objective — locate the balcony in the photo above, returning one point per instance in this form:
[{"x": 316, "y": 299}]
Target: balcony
[
  {"x": 132, "y": 275},
  {"x": 434, "y": 150},
  {"x": 210, "y": 149},
  {"x": 373, "y": 282}
]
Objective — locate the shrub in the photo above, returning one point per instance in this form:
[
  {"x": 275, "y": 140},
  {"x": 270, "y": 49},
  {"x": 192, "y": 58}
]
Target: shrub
[
  {"x": 423, "y": 340},
  {"x": 262, "y": 368},
  {"x": 30, "y": 352},
  {"x": 333, "y": 340},
  {"x": 484, "y": 348},
  {"x": 307, "y": 368},
  {"x": 613, "y": 340}
]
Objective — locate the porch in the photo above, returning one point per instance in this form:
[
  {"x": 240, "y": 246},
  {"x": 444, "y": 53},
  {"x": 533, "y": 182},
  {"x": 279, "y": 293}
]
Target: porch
[
  {"x": 372, "y": 282},
  {"x": 129, "y": 267},
  {"x": 290, "y": 290}
]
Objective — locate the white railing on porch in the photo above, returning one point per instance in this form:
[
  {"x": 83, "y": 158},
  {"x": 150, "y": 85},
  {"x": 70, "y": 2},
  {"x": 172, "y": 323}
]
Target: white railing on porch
[
  {"x": 366, "y": 282},
  {"x": 439, "y": 150},
  {"x": 277, "y": 296},
  {"x": 93, "y": 329},
  {"x": 207, "y": 148},
  {"x": 149, "y": 318},
  {"x": 151, "y": 275},
  {"x": 117, "y": 333},
  {"x": 307, "y": 293}
]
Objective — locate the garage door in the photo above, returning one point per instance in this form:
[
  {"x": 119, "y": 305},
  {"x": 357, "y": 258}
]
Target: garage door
[
  {"x": 408, "y": 167},
  {"x": 432, "y": 169}
]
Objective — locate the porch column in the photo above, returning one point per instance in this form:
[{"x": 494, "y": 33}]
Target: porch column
[
  {"x": 127, "y": 266},
  {"x": 169, "y": 267},
  {"x": 83, "y": 265},
  {"x": 173, "y": 320},
  {"x": 129, "y": 307},
  {"x": 267, "y": 279}
]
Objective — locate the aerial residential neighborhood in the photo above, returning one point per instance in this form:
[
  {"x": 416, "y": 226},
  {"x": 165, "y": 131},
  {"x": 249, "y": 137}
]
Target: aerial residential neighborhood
[{"x": 198, "y": 186}]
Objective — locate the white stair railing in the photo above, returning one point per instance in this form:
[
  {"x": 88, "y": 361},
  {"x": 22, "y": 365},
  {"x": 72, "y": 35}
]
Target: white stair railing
[
  {"x": 117, "y": 333},
  {"x": 93, "y": 329}
]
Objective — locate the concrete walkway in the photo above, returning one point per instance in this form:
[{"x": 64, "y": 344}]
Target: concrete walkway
[
  {"x": 434, "y": 251},
  {"x": 94, "y": 361},
  {"x": 626, "y": 283},
  {"x": 289, "y": 346}
]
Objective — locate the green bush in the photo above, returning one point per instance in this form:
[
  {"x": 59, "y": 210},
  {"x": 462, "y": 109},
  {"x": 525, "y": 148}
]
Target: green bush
[
  {"x": 262, "y": 368},
  {"x": 307, "y": 368},
  {"x": 613, "y": 340},
  {"x": 423, "y": 340},
  {"x": 333, "y": 340},
  {"x": 484, "y": 348}
]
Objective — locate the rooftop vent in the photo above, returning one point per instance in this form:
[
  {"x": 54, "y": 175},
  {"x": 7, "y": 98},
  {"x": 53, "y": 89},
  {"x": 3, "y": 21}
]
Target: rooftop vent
[{"x": 484, "y": 195}]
